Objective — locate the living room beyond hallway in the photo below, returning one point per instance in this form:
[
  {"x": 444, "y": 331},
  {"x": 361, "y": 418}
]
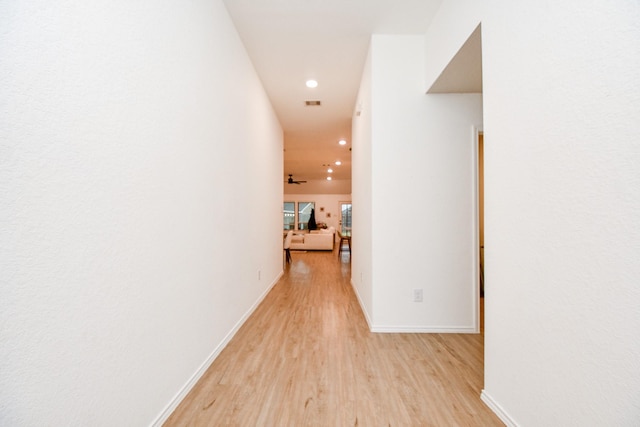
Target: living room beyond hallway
[{"x": 306, "y": 357}]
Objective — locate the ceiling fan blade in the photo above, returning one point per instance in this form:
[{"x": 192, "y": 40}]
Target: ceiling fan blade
[{"x": 291, "y": 181}]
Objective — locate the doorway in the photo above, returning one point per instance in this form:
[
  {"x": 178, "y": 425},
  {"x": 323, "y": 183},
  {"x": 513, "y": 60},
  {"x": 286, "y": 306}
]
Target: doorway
[{"x": 479, "y": 250}]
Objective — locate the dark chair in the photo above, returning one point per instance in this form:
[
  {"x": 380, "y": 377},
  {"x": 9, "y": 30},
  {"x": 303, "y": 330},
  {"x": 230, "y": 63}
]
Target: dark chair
[
  {"x": 344, "y": 238},
  {"x": 287, "y": 245}
]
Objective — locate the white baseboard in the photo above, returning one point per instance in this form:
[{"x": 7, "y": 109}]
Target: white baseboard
[
  {"x": 411, "y": 329},
  {"x": 423, "y": 329},
  {"x": 173, "y": 404},
  {"x": 362, "y": 306},
  {"x": 497, "y": 409}
]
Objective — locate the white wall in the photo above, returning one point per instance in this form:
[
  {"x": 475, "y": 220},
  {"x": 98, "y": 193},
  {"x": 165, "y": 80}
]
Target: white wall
[
  {"x": 362, "y": 229},
  {"x": 330, "y": 203},
  {"x": 562, "y": 209},
  {"x": 562, "y": 99},
  {"x": 130, "y": 185},
  {"x": 422, "y": 200}
]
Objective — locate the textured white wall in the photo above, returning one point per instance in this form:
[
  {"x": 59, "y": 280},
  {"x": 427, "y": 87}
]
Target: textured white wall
[
  {"x": 423, "y": 184},
  {"x": 422, "y": 206},
  {"x": 562, "y": 101},
  {"x": 137, "y": 151},
  {"x": 361, "y": 241}
]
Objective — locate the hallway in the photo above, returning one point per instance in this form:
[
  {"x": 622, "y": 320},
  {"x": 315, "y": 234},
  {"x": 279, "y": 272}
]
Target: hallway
[{"x": 306, "y": 358}]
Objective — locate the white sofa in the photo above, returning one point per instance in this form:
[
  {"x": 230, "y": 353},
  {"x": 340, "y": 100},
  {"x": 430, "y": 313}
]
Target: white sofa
[{"x": 317, "y": 240}]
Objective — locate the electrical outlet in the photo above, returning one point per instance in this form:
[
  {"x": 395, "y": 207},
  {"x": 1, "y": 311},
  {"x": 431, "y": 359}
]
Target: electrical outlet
[
  {"x": 417, "y": 295},
  {"x": 259, "y": 274}
]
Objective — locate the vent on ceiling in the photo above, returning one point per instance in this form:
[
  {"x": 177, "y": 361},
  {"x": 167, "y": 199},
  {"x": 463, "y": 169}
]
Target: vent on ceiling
[{"x": 312, "y": 103}]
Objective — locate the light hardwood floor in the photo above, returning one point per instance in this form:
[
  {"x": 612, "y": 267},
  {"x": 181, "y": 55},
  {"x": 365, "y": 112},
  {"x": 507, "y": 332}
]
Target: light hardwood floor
[{"x": 306, "y": 358}]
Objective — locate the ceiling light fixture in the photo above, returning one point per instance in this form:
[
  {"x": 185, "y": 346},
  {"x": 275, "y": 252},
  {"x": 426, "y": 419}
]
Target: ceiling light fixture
[
  {"x": 311, "y": 84},
  {"x": 330, "y": 170},
  {"x": 338, "y": 162},
  {"x": 328, "y": 178},
  {"x": 342, "y": 142}
]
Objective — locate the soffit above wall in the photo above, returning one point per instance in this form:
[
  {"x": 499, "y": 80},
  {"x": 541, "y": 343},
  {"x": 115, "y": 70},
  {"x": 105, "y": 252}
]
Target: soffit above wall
[{"x": 464, "y": 73}]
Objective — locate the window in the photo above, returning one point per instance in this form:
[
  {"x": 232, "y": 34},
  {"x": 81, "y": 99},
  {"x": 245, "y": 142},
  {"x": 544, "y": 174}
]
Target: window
[
  {"x": 304, "y": 212},
  {"x": 289, "y": 213}
]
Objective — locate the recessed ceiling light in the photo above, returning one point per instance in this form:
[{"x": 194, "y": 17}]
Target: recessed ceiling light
[
  {"x": 338, "y": 163},
  {"x": 330, "y": 170},
  {"x": 328, "y": 178},
  {"x": 342, "y": 142},
  {"x": 312, "y": 83}
]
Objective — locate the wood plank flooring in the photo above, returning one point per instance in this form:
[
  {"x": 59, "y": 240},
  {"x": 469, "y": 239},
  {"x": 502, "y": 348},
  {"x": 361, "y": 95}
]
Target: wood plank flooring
[{"x": 306, "y": 358}]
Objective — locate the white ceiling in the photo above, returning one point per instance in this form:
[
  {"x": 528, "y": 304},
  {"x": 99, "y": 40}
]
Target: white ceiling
[{"x": 291, "y": 41}]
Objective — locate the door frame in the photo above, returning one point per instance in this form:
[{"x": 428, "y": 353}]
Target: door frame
[{"x": 476, "y": 131}]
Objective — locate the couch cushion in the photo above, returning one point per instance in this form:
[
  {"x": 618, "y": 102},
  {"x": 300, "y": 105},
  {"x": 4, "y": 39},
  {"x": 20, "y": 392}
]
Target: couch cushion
[{"x": 323, "y": 242}]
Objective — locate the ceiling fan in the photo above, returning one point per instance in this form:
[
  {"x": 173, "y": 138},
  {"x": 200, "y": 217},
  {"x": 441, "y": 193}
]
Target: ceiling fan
[{"x": 291, "y": 181}]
